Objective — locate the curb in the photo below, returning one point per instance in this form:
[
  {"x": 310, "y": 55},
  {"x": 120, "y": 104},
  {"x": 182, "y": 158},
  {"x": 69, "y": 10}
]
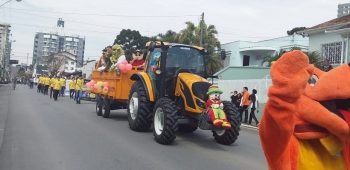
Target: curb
[
  {"x": 4, "y": 111},
  {"x": 245, "y": 126}
]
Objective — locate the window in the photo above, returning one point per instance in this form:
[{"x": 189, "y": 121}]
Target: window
[
  {"x": 71, "y": 68},
  {"x": 332, "y": 52},
  {"x": 66, "y": 62},
  {"x": 72, "y": 63}
]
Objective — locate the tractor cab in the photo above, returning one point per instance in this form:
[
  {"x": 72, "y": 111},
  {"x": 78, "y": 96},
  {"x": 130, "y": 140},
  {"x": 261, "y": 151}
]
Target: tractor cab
[{"x": 164, "y": 62}]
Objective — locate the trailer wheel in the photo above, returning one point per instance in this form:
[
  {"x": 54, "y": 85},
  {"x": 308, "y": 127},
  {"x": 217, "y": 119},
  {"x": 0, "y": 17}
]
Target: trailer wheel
[
  {"x": 229, "y": 136},
  {"x": 106, "y": 108},
  {"x": 165, "y": 121},
  {"x": 98, "y": 106},
  {"x": 139, "y": 108}
]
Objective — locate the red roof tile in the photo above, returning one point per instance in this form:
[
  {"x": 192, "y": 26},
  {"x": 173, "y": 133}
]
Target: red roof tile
[{"x": 337, "y": 21}]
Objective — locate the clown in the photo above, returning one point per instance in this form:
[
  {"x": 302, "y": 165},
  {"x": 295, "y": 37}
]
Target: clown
[{"x": 215, "y": 108}]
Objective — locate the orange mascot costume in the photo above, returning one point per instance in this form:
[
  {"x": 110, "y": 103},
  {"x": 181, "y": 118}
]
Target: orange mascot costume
[{"x": 305, "y": 125}]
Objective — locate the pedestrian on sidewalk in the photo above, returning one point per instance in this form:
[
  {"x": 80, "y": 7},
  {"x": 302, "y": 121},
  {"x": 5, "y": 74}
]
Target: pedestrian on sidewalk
[
  {"x": 235, "y": 98},
  {"x": 56, "y": 88},
  {"x": 245, "y": 102},
  {"x": 78, "y": 89},
  {"x": 52, "y": 79},
  {"x": 72, "y": 88},
  {"x": 254, "y": 106},
  {"x": 39, "y": 85}
]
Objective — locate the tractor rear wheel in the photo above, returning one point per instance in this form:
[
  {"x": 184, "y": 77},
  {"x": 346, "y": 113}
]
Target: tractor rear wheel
[
  {"x": 229, "y": 136},
  {"x": 139, "y": 108},
  {"x": 165, "y": 121}
]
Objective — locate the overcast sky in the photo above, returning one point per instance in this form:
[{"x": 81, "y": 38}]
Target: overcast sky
[{"x": 99, "y": 21}]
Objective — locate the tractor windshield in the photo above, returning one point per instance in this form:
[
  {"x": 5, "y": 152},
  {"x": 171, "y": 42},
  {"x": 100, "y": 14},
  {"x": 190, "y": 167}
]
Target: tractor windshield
[{"x": 186, "y": 59}]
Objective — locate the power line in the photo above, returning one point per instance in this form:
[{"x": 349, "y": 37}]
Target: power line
[{"x": 110, "y": 15}]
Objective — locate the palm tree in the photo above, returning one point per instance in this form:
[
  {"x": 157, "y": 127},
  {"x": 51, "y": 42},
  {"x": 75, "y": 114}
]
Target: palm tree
[
  {"x": 214, "y": 64},
  {"x": 191, "y": 35}
]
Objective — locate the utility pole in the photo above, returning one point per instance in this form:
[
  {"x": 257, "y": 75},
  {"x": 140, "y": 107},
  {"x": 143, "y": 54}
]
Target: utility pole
[{"x": 201, "y": 28}]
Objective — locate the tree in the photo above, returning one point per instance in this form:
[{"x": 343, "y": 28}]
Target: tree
[
  {"x": 169, "y": 36},
  {"x": 191, "y": 35},
  {"x": 130, "y": 40},
  {"x": 54, "y": 63},
  {"x": 295, "y": 30}
]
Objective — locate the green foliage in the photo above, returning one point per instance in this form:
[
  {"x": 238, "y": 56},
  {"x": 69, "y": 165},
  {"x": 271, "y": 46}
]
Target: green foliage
[
  {"x": 169, "y": 36},
  {"x": 129, "y": 40},
  {"x": 295, "y": 30},
  {"x": 191, "y": 35},
  {"x": 314, "y": 58},
  {"x": 214, "y": 64}
]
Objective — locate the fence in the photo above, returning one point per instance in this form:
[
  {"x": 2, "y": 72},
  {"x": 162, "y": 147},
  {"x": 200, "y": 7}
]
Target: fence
[{"x": 261, "y": 85}]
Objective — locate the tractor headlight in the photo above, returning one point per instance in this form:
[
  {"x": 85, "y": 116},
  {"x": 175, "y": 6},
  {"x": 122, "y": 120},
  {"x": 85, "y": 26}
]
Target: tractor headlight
[{"x": 200, "y": 104}]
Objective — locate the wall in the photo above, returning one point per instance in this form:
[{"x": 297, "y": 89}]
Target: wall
[
  {"x": 316, "y": 40},
  {"x": 286, "y": 42},
  {"x": 243, "y": 73},
  {"x": 261, "y": 85}
]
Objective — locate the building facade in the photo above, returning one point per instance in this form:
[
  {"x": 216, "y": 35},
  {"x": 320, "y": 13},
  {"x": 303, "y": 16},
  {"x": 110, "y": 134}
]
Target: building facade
[
  {"x": 67, "y": 62},
  {"x": 343, "y": 9},
  {"x": 247, "y": 53},
  {"x": 46, "y": 44},
  {"x": 5, "y": 51},
  {"x": 331, "y": 40}
]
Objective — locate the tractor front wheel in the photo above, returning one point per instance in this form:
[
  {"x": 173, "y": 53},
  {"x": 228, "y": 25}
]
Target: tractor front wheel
[
  {"x": 165, "y": 121},
  {"x": 139, "y": 109},
  {"x": 229, "y": 136}
]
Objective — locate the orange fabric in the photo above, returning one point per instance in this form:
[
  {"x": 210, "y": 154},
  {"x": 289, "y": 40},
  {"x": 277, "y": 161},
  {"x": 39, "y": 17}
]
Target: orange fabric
[
  {"x": 293, "y": 109},
  {"x": 246, "y": 101}
]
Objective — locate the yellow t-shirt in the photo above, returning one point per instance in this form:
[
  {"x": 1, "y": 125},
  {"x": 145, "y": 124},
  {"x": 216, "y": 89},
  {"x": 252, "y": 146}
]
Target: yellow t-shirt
[
  {"x": 63, "y": 82},
  {"x": 51, "y": 82},
  {"x": 57, "y": 84},
  {"x": 72, "y": 84},
  {"x": 47, "y": 81},
  {"x": 79, "y": 84},
  {"x": 40, "y": 80}
]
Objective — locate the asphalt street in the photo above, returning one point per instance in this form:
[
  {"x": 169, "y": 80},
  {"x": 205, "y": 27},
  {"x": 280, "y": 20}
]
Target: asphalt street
[{"x": 41, "y": 134}]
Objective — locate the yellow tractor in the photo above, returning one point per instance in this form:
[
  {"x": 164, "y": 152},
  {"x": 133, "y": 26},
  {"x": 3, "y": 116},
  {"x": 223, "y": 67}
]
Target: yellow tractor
[{"x": 171, "y": 95}]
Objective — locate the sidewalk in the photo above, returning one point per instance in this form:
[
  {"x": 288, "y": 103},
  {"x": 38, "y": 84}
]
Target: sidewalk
[{"x": 4, "y": 107}]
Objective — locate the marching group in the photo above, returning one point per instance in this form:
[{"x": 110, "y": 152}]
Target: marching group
[
  {"x": 244, "y": 101},
  {"x": 55, "y": 86}
]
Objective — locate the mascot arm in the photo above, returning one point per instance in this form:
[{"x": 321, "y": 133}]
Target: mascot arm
[{"x": 310, "y": 111}]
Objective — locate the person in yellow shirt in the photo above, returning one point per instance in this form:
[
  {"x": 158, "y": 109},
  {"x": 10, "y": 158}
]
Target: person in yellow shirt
[
  {"x": 78, "y": 88},
  {"x": 56, "y": 88},
  {"x": 71, "y": 87},
  {"x": 63, "y": 86},
  {"x": 47, "y": 84}
]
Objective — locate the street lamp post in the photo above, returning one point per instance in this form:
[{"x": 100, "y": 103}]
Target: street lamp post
[{"x": 8, "y": 2}]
